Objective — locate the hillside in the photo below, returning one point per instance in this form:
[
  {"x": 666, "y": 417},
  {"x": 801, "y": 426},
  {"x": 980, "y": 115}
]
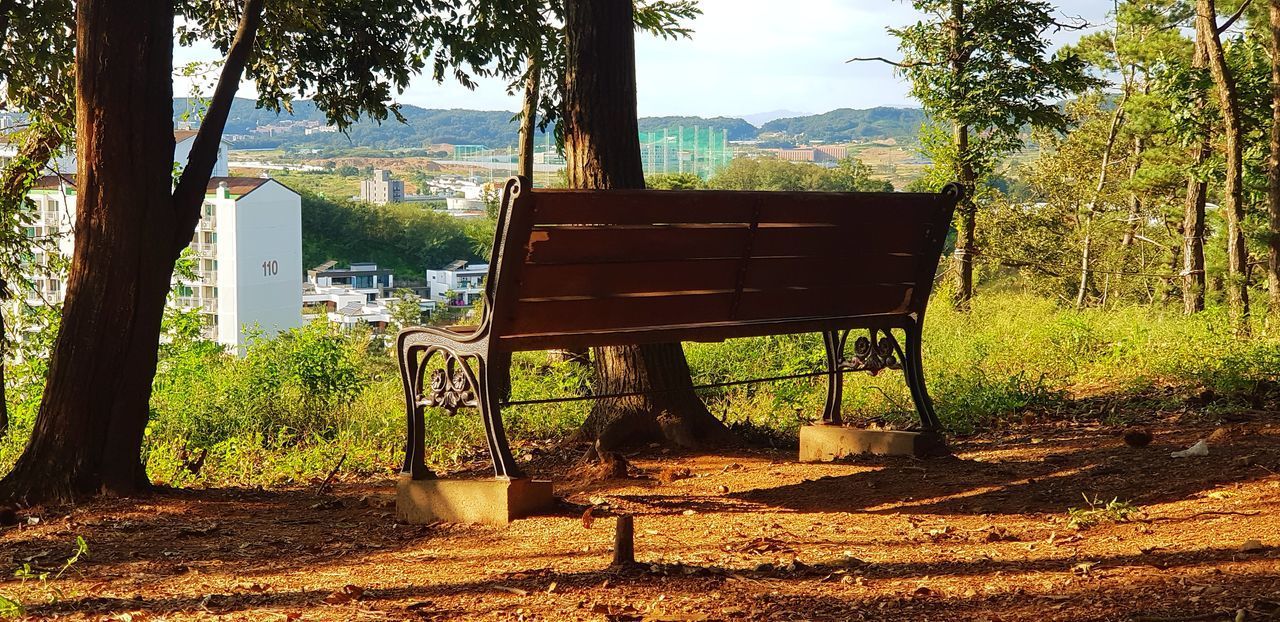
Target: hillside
[
  {"x": 496, "y": 128},
  {"x": 847, "y": 124}
]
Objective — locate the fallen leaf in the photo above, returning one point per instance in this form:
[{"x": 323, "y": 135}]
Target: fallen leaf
[{"x": 345, "y": 595}]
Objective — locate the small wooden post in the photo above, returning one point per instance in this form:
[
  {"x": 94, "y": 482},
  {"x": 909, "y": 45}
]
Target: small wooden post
[{"x": 624, "y": 546}]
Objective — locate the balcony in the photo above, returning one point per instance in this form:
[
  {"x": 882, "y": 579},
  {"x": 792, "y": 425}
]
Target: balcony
[{"x": 190, "y": 302}]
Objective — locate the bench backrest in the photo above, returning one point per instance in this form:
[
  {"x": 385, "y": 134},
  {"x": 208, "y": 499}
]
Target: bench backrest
[{"x": 575, "y": 268}]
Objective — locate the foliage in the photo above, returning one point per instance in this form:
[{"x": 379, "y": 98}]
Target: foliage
[
  {"x": 848, "y": 125},
  {"x": 850, "y": 175},
  {"x": 46, "y": 579},
  {"x": 406, "y": 238},
  {"x": 1097, "y": 512},
  {"x": 1005, "y": 78}
]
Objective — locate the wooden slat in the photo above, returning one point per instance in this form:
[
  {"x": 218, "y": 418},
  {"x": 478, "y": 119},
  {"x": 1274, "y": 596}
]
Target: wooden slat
[
  {"x": 716, "y": 331},
  {"x": 549, "y": 245},
  {"x": 613, "y": 313},
  {"x": 587, "y": 315},
  {"x": 610, "y": 279},
  {"x": 623, "y": 207},
  {"x": 617, "y": 244}
]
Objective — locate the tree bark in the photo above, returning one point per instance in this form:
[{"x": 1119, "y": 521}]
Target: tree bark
[
  {"x": 1117, "y": 118},
  {"x": 1193, "y": 220},
  {"x": 1233, "y": 205},
  {"x": 529, "y": 117},
  {"x": 602, "y": 146},
  {"x": 130, "y": 228},
  {"x": 1273, "y": 174},
  {"x": 967, "y": 211}
]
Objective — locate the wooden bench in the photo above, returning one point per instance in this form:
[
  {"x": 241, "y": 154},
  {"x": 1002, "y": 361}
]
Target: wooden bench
[{"x": 576, "y": 268}]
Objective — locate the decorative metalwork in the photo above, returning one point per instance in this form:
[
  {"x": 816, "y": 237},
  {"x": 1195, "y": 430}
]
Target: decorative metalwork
[
  {"x": 873, "y": 355},
  {"x": 450, "y": 389}
]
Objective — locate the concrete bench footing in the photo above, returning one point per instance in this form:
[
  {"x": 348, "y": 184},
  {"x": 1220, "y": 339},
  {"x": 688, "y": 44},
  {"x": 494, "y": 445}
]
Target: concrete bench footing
[
  {"x": 483, "y": 501},
  {"x": 824, "y": 443}
]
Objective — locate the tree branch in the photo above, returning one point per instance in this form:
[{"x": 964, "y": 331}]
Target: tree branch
[
  {"x": 189, "y": 195},
  {"x": 898, "y": 64},
  {"x": 1227, "y": 24}
]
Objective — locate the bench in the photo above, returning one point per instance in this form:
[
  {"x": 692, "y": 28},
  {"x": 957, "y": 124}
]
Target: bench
[{"x": 573, "y": 269}]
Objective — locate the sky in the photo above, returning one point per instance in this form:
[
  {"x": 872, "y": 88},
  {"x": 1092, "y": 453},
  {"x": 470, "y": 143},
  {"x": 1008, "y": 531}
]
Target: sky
[{"x": 745, "y": 57}]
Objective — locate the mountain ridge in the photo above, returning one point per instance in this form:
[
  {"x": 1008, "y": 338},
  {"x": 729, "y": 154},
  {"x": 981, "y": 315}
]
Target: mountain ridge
[{"x": 253, "y": 127}]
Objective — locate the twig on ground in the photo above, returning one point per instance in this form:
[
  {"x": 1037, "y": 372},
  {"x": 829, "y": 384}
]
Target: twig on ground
[{"x": 328, "y": 481}]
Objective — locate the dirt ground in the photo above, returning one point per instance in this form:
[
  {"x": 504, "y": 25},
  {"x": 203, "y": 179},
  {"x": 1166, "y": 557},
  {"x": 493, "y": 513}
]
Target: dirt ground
[{"x": 983, "y": 535}]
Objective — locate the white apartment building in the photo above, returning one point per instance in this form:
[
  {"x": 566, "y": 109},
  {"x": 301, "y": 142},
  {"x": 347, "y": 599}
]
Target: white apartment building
[
  {"x": 382, "y": 189},
  {"x": 458, "y": 284},
  {"x": 247, "y": 251}
]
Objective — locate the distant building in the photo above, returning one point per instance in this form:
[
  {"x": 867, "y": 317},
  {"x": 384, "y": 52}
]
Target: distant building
[
  {"x": 247, "y": 253},
  {"x": 458, "y": 284},
  {"x": 834, "y": 152},
  {"x": 363, "y": 276},
  {"x": 382, "y": 189},
  {"x": 796, "y": 155}
]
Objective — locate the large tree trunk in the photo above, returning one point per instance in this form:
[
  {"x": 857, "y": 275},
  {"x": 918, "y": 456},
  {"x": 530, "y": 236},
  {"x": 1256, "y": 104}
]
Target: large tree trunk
[
  {"x": 1193, "y": 225},
  {"x": 1273, "y": 175},
  {"x": 131, "y": 224},
  {"x": 88, "y": 434},
  {"x": 1233, "y": 205},
  {"x": 602, "y": 145}
]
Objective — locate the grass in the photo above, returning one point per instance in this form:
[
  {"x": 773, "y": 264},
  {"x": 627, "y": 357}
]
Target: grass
[
  {"x": 1097, "y": 512},
  {"x": 294, "y": 407}
]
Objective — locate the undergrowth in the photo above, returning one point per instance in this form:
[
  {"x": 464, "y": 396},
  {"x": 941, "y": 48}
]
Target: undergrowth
[{"x": 295, "y": 406}]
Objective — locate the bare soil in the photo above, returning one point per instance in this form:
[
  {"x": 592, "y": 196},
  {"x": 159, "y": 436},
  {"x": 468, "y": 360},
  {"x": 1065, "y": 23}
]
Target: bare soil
[{"x": 983, "y": 535}]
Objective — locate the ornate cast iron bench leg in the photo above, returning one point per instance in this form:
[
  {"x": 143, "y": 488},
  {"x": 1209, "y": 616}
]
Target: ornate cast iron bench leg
[
  {"x": 878, "y": 351},
  {"x": 833, "y": 340},
  {"x": 467, "y": 379}
]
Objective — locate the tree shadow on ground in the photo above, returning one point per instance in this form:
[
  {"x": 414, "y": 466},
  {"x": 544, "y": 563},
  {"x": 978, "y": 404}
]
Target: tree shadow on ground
[
  {"x": 1096, "y": 465},
  {"x": 815, "y": 590},
  {"x": 173, "y": 531}
]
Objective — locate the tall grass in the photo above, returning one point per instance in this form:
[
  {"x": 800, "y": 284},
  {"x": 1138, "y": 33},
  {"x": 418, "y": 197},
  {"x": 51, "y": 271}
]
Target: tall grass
[{"x": 293, "y": 406}]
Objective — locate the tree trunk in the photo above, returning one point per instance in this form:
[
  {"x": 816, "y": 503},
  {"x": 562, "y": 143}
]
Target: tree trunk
[
  {"x": 1193, "y": 275},
  {"x": 967, "y": 212},
  {"x": 1228, "y": 103},
  {"x": 1273, "y": 175},
  {"x": 88, "y": 433},
  {"x": 131, "y": 224},
  {"x": 529, "y": 117},
  {"x": 1117, "y": 118},
  {"x": 603, "y": 150},
  {"x": 1135, "y": 210},
  {"x": 4, "y": 350}
]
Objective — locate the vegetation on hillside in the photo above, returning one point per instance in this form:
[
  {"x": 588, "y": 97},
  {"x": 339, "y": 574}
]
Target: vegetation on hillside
[
  {"x": 405, "y": 237},
  {"x": 848, "y": 125}
]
